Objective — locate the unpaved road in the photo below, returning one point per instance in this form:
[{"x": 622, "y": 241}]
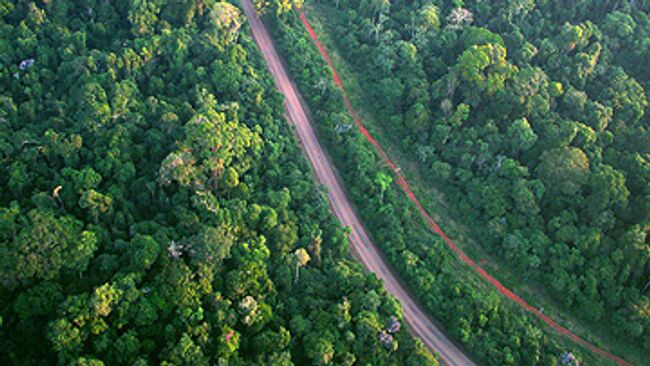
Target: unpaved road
[{"x": 432, "y": 336}]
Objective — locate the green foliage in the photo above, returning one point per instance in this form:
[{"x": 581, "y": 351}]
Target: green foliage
[
  {"x": 564, "y": 170},
  {"x": 428, "y": 18},
  {"x": 535, "y": 129},
  {"x": 143, "y": 252},
  {"x": 225, "y": 21},
  {"x": 156, "y": 208},
  {"x": 43, "y": 246},
  {"x": 522, "y": 137}
]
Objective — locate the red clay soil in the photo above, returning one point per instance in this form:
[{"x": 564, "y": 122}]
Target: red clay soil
[{"x": 432, "y": 224}]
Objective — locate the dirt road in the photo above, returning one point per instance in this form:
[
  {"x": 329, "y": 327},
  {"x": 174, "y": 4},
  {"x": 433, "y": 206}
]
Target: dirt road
[{"x": 364, "y": 249}]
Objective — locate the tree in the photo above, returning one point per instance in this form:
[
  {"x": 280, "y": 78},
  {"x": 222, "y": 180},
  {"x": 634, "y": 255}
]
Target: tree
[
  {"x": 563, "y": 170},
  {"x": 65, "y": 337},
  {"x": 228, "y": 342},
  {"x": 441, "y": 169},
  {"x": 460, "y": 115},
  {"x": 97, "y": 203},
  {"x": 104, "y": 299},
  {"x": 608, "y": 189},
  {"x": 143, "y": 14},
  {"x": 521, "y": 135},
  {"x": 84, "y": 361},
  {"x": 127, "y": 347},
  {"x": 45, "y": 246},
  {"x": 417, "y": 117},
  {"x": 619, "y": 25},
  {"x": 40, "y": 300},
  {"x": 319, "y": 350},
  {"x": 420, "y": 356},
  {"x": 425, "y": 20},
  {"x": 576, "y": 36},
  {"x": 625, "y": 95},
  {"x": 598, "y": 115},
  {"x": 302, "y": 258},
  {"x": 210, "y": 147},
  {"x": 93, "y": 108},
  {"x": 226, "y": 20},
  {"x": 185, "y": 353},
  {"x": 525, "y": 199},
  {"x": 377, "y": 26},
  {"x": 315, "y": 248},
  {"x": 212, "y": 245},
  {"x": 143, "y": 252},
  {"x": 459, "y": 18},
  {"x": 485, "y": 68},
  {"x": 181, "y": 13},
  {"x": 375, "y": 8},
  {"x": 518, "y": 9},
  {"x": 383, "y": 181}
]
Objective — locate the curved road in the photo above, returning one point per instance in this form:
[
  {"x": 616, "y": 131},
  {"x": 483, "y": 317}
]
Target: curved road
[{"x": 432, "y": 336}]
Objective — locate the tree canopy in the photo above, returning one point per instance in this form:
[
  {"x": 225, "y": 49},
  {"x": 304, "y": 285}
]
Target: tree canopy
[
  {"x": 155, "y": 207},
  {"x": 530, "y": 118}
]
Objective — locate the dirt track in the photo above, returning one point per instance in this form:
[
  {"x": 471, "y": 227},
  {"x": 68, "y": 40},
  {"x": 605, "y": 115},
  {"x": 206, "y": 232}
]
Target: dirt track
[{"x": 364, "y": 249}]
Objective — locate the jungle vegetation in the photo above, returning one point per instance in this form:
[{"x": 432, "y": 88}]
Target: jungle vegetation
[
  {"x": 155, "y": 208},
  {"x": 531, "y": 117}
]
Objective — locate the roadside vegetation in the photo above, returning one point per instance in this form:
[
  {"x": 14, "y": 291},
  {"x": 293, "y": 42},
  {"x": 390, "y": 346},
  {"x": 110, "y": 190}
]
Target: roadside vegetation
[
  {"x": 509, "y": 120},
  {"x": 155, "y": 207}
]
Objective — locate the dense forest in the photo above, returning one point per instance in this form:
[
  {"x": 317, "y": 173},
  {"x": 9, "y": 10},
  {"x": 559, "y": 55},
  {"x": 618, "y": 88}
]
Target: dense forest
[
  {"x": 531, "y": 117},
  {"x": 155, "y": 207}
]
